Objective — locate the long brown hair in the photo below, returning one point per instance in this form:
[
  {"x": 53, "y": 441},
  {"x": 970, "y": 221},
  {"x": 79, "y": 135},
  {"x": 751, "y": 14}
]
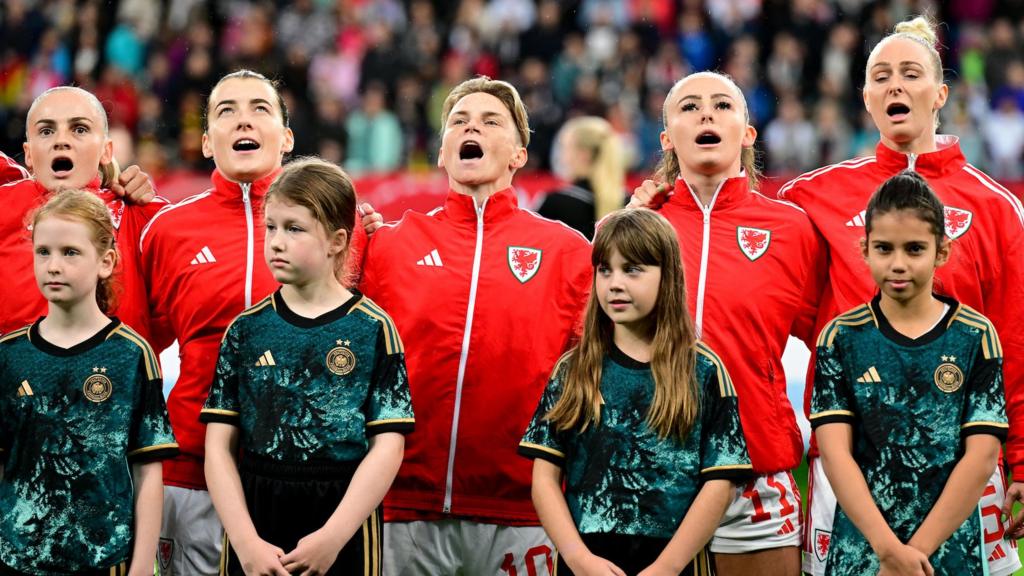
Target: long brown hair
[
  {"x": 668, "y": 170},
  {"x": 641, "y": 237},
  {"x": 87, "y": 208}
]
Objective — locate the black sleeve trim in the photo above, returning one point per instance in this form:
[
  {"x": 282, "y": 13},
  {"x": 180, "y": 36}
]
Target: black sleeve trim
[
  {"x": 154, "y": 455},
  {"x": 832, "y": 419},
  {"x": 402, "y": 427},
  {"x": 997, "y": 431},
  {"x": 731, "y": 473},
  {"x": 207, "y": 417},
  {"x": 534, "y": 453}
]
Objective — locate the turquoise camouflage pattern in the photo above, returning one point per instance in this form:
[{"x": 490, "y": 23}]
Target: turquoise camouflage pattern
[
  {"x": 621, "y": 478},
  {"x": 71, "y": 423},
  {"x": 911, "y": 404},
  {"x": 311, "y": 390}
]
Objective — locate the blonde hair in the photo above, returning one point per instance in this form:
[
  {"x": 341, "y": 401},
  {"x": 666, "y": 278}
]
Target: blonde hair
[
  {"x": 325, "y": 190},
  {"x": 108, "y": 172},
  {"x": 501, "y": 90},
  {"x": 87, "y": 208},
  {"x": 920, "y": 29},
  {"x": 668, "y": 168},
  {"x": 642, "y": 237},
  {"x": 607, "y": 176}
]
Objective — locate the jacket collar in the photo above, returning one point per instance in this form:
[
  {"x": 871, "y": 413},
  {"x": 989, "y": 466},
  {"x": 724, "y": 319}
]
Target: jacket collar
[
  {"x": 231, "y": 192},
  {"x": 93, "y": 186},
  {"x": 730, "y": 191},
  {"x": 946, "y": 160},
  {"x": 498, "y": 206}
]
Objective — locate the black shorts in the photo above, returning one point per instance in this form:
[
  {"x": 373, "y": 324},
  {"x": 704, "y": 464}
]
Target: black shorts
[
  {"x": 289, "y": 501},
  {"x": 118, "y": 570},
  {"x": 634, "y": 553}
]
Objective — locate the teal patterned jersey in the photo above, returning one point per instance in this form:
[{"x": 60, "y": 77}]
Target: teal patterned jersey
[
  {"x": 620, "y": 477},
  {"x": 72, "y": 421},
  {"x": 303, "y": 389},
  {"x": 911, "y": 403}
]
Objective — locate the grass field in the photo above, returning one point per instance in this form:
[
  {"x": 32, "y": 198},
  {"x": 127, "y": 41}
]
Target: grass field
[{"x": 801, "y": 480}]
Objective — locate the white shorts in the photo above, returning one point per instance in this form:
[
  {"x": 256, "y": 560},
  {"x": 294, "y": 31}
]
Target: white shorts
[
  {"x": 464, "y": 547},
  {"x": 764, "y": 514},
  {"x": 821, "y": 510},
  {"x": 190, "y": 534}
]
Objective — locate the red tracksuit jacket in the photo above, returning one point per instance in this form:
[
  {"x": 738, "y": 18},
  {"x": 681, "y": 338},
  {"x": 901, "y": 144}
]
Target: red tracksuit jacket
[
  {"x": 203, "y": 263},
  {"x": 485, "y": 301},
  {"x": 21, "y": 302},
  {"x": 754, "y": 270},
  {"x": 986, "y": 266}
]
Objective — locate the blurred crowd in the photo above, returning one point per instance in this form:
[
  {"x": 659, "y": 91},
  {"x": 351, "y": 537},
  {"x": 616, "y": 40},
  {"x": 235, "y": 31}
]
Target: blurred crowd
[{"x": 365, "y": 79}]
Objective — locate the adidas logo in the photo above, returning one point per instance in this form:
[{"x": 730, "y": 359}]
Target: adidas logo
[
  {"x": 432, "y": 259},
  {"x": 204, "y": 257},
  {"x": 787, "y": 528},
  {"x": 267, "y": 359},
  {"x": 857, "y": 221},
  {"x": 24, "y": 389},
  {"x": 997, "y": 554},
  {"x": 870, "y": 377}
]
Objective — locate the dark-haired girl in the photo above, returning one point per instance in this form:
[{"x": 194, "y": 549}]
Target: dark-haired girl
[{"x": 908, "y": 403}]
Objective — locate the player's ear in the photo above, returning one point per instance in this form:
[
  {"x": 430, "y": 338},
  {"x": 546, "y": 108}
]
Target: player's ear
[
  {"x": 944, "y": 249},
  {"x": 864, "y": 247}
]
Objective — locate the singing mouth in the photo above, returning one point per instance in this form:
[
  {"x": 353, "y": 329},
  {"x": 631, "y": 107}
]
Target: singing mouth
[
  {"x": 708, "y": 138},
  {"x": 246, "y": 145},
  {"x": 470, "y": 150}
]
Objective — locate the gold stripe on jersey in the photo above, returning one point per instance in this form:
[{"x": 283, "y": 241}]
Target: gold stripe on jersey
[
  {"x": 966, "y": 312},
  {"x": 990, "y": 345},
  {"x": 725, "y": 387},
  {"x": 152, "y": 448},
  {"x": 225, "y": 549},
  {"x": 729, "y": 467},
  {"x": 218, "y": 411},
  {"x": 375, "y": 530},
  {"x": 152, "y": 364},
  {"x": 15, "y": 334},
  {"x": 391, "y": 421},
  {"x": 533, "y": 446},
  {"x": 392, "y": 342},
  {"x": 856, "y": 317},
  {"x": 990, "y": 424},
  {"x": 366, "y": 547},
  {"x": 831, "y": 413},
  {"x": 269, "y": 300}
]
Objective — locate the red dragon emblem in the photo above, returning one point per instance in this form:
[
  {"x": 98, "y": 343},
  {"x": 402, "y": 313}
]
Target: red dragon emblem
[
  {"x": 822, "y": 539},
  {"x": 957, "y": 222},
  {"x": 524, "y": 262},
  {"x": 753, "y": 241}
]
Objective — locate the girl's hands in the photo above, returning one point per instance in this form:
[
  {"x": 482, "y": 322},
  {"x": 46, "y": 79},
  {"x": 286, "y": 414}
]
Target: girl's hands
[
  {"x": 261, "y": 558},
  {"x": 905, "y": 560},
  {"x": 649, "y": 194},
  {"x": 587, "y": 564},
  {"x": 314, "y": 555}
]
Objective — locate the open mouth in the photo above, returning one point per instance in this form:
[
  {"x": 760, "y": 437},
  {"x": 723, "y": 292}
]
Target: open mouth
[
  {"x": 62, "y": 164},
  {"x": 246, "y": 145},
  {"x": 896, "y": 109},
  {"x": 470, "y": 151},
  {"x": 706, "y": 138}
]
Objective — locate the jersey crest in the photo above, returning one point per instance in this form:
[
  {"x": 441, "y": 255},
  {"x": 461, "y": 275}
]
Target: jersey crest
[
  {"x": 523, "y": 262},
  {"x": 753, "y": 242},
  {"x": 822, "y": 538},
  {"x": 948, "y": 376},
  {"x": 164, "y": 550},
  {"x": 97, "y": 387},
  {"x": 340, "y": 359},
  {"x": 958, "y": 221}
]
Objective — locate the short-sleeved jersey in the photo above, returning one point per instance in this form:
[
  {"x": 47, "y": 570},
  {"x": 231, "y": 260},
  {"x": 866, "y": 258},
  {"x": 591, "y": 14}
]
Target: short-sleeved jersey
[
  {"x": 72, "y": 420},
  {"x": 911, "y": 403},
  {"x": 311, "y": 389},
  {"x": 620, "y": 476}
]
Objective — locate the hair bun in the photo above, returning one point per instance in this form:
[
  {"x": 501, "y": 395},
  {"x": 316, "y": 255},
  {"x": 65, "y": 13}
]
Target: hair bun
[{"x": 920, "y": 27}]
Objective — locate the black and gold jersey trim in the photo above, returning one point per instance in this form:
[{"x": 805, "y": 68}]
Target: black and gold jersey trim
[
  {"x": 152, "y": 364},
  {"x": 725, "y": 386},
  {"x": 858, "y": 316},
  {"x": 731, "y": 472},
  {"x": 151, "y": 453},
  {"x": 997, "y": 429},
  {"x": 401, "y": 425},
  {"x": 208, "y": 415},
  {"x": 991, "y": 347},
  {"x": 16, "y": 334},
  {"x": 268, "y": 301},
  {"x": 832, "y": 417},
  {"x": 531, "y": 450},
  {"x": 392, "y": 341}
]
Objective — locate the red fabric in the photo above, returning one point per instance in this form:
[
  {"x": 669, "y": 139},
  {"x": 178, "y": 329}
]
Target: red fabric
[
  {"x": 518, "y": 331},
  {"x": 194, "y": 298},
  {"x": 11, "y": 170},
  {"x": 751, "y": 306},
  {"x": 986, "y": 267},
  {"x": 22, "y": 303}
]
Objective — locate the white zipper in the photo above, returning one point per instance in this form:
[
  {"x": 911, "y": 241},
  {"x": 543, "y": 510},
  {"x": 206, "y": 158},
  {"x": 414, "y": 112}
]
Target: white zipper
[
  {"x": 912, "y": 162},
  {"x": 464, "y": 354},
  {"x": 246, "y": 187},
  {"x": 705, "y": 246}
]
